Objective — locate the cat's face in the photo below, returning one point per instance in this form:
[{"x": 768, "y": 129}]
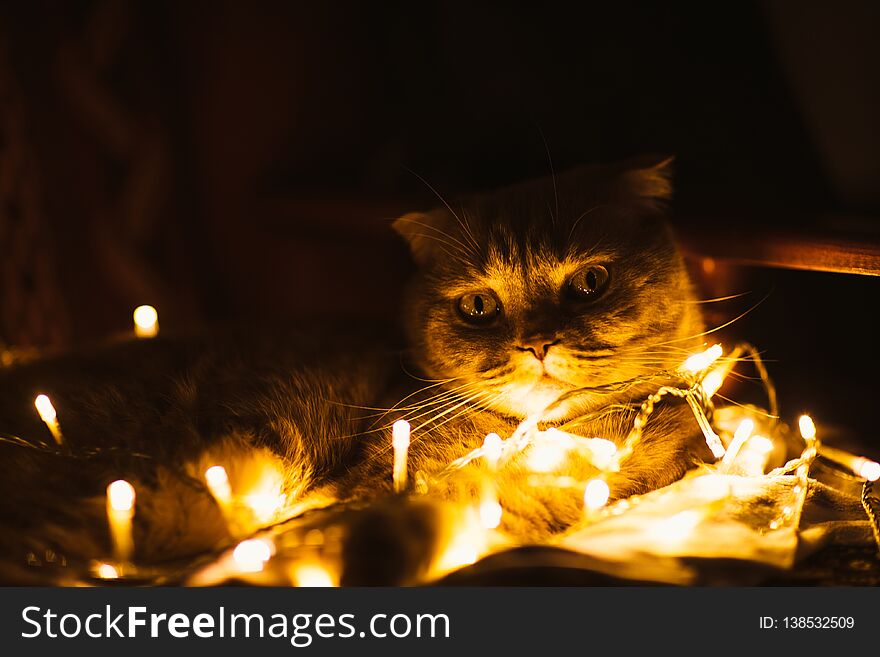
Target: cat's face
[{"x": 529, "y": 292}]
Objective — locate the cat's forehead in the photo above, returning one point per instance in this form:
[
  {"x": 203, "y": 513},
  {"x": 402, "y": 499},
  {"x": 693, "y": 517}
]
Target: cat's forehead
[{"x": 526, "y": 275}]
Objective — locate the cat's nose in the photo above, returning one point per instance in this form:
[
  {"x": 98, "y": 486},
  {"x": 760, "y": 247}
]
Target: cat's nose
[{"x": 538, "y": 346}]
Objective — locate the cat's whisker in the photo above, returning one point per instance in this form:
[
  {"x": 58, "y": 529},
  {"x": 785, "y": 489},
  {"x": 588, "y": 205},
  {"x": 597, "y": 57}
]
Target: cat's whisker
[
  {"x": 449, "y": 410},
  {"x": 752, "y": 409},
  {"x": 448, "y": 399},
  {"x": 456, "y": 252},
  {"x": 720, "y": 299},
  {"x": 413, "y": 431},
  {"x": 422, "y": 379},
  {"x": 391, "y": 408},
  {"x": 443, "y": 396},
  {"x": 717, "y": 328},
  {"x": 472, "y": 409},
  {"x": 555, "y": 217},
  {"x": 448, "y": 239},
  {"x": 436, "y": 193},
  {"x": 466, "y": 228},
  {"x": 578, "y": 220}
]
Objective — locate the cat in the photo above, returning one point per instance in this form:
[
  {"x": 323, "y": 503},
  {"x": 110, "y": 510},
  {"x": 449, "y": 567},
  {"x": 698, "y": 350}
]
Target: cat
[{"x": 560, "y": 285}]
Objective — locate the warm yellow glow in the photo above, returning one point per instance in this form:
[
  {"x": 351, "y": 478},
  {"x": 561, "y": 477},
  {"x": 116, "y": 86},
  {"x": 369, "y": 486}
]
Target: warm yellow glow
[
  {"x": 45, "y": 409},
  {"x": 146, "y": 322},
  {"x": 760, "y": 444},
  {"x": 218, "y": 484},
  {"x": 120, "y": 512},
  {"x": 712, "y": 487},
  {"x": 490, "y": 514},
  {"x": 120, "y": 496},
  {"x": 744, "y": 430},
  {"x": 859, "y": 465},
  {"x": 869, "y": 470},
  {"x": 400, "y": 434},
  {"x": 314, "y": 537},
  {"x": 712, "y": 382},
  {"x": 400, "y": 441},
  {"x": 596, "y": 494},
  {"x": 603, "y": 451},
  {"x": 676, "y": 528},
  {"x": 463, "y": 550},
  {"x": 808, "y": 429},
  {"x": 312, "y": 575},
  {"x": 464, "y": 540},
  {"x": 740, "y": 436},
  {"x": 747, "y": 453},
  {"x": 546, "y": 454},
  {"x": 699, "y": 362},
  {"x": 49, "y": 416},
  {"x": 264, "y": 505},
  {"x": 263, "y": 496},
  {"x": 107, "y": 571},
  {"x": 493, "y": 447},
  {"x": 250, "y": 556}
]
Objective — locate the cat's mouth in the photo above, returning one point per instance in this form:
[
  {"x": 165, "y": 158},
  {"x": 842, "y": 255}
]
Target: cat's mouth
[
  {"x": 531, "y": 392},
  {"x": 528, "y": 386}
]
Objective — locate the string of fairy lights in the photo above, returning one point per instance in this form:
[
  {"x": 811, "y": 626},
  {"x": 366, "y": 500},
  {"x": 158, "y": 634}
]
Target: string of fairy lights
[{"x": 744, "y": 451}]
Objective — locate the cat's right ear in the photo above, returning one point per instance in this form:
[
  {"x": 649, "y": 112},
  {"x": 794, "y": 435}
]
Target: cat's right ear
[
  {"x": 421, "y": 230},
  {"x": 648, "y": 177}
]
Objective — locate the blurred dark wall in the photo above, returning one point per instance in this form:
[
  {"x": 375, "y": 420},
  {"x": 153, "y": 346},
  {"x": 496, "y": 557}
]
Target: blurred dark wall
[{"x": 231, "y": 160}]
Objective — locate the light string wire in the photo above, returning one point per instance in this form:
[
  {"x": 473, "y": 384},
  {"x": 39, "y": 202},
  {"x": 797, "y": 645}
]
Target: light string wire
[{"x": 695, "y": 382}]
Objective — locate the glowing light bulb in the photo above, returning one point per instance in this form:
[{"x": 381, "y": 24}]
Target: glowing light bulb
[
  {"x": 45, "y": 408},
  {"x": 602, "y": 451},
  {"x": 869, "y": 470},
  {"x": 493, "y": 447},
  {"x": 490, "y": 514},
  {"x": 859, "y": 465},
  {"x": 712, "y": 382},
  {"x": 400, "y": 440},
  {"x": 596, "y": 494},
  {"x": 250, "y": 556},
  {"x": 740, "y": 436},
  {"x": 699, "y": 362},
  {"x": 107, "y": 571},
  {"x": 490, "y": 508},
  {"x": 49, "y": 416},
  {"x": 120, "y": 512},
  {"x": 264, "y": 506},
  {"x": 121, "y": 496},
  {"x": 218, "y": 484},
  {"x": 760, "y": 444},
  {"x": 146, "y": 322},
  {"x": 312, "y": 575},
  {"x": 546, "y": 454},
  {"x": 807, "y": 428},
  {"x": 744, "y": 430}
]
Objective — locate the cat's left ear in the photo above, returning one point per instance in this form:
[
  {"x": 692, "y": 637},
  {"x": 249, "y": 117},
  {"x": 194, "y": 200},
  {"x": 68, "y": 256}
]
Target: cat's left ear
[
  {"x": 421, "y": 230},
  {"x": 649, "y": 177}
]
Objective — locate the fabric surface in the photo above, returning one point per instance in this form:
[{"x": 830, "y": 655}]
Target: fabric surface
[{"x": 691, "y": 531}]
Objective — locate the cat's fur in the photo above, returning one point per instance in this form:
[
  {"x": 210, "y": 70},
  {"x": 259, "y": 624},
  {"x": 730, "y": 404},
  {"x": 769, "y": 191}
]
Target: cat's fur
[{"x": 316, "y": 407}]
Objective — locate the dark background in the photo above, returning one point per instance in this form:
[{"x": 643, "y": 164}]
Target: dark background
[{"x": 229, "y": 161}]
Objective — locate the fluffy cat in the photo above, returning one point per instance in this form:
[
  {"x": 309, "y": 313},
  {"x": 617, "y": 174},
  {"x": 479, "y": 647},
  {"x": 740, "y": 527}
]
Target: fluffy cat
[{"x": 520, "y": 296}]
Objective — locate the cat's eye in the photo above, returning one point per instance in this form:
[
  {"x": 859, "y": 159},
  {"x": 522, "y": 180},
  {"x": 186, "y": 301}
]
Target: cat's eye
[
  {"x": 478, "y": 308},
  {"x": 588, "y": 283}
]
